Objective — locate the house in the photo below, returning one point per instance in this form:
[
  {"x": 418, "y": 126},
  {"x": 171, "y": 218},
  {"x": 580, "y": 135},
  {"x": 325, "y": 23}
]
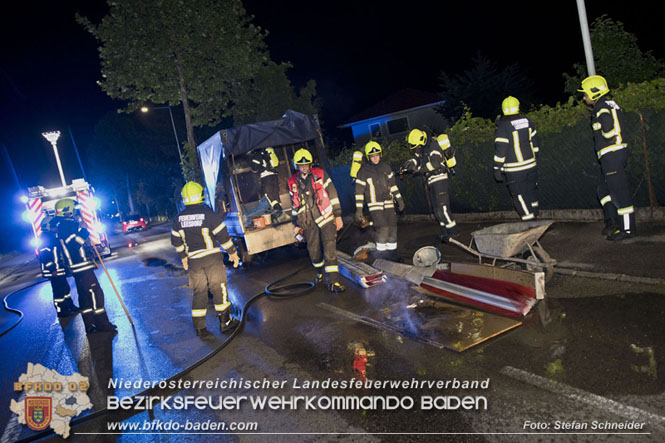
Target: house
[{"x": 394, "y": 116}]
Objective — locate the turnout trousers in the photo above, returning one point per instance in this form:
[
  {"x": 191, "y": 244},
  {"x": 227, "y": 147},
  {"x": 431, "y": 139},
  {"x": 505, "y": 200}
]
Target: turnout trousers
[
  {"x": 384, "y": 222},
  {"x": 523, "y": 189},
  {"x": 208, "y": 274},
  {"x": 270, "y": 188},
  {"x": 441, "y": 205},
  {"x": 322, "y": 248},
  {"x": 614, "y": 191},
  {"x": 91, "y": 300},
  {"x": 62, "y": 299}
]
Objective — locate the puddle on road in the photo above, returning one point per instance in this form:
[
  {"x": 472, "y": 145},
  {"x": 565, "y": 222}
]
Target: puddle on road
[
  {"x": 611, "y": 345},
  {"x": 155, "y": 262}
]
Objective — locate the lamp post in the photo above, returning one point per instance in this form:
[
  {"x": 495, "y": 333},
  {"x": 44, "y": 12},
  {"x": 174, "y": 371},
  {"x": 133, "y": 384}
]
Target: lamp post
[
  {"x": 53, "y": 137},
  {"x": 145, "y": 109}
]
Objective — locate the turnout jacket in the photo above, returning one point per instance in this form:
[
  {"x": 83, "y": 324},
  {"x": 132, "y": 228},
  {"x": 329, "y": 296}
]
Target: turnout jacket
[
  {"x": 376, "y": 186},
  {"x": 198, "y": 232},
  {"x": 516, "y": 144},
  {"x": 430, "y": 161},
  {"x": 607, "y": 124},
  {"x": 264, "y": 163},
  {"x": 72, "y": 239},
  {"x": 51, "y": 258},
  {"x": 313, "y": 197}
]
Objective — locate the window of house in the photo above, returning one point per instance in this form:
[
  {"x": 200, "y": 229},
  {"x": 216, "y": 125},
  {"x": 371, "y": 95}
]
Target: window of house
[
  {"x": 398, "y": 126},
  {"x": 375, "y": 130}
]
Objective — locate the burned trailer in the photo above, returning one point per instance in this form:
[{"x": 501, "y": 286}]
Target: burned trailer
[{"x": 233, "y": 189}]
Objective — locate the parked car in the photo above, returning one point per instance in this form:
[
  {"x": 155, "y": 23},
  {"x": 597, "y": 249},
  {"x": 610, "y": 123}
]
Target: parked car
[{"x": 134, "y": 223}]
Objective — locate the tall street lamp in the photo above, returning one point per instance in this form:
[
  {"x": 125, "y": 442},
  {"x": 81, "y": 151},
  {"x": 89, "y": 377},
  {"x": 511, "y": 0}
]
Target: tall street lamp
[
  {"x": 145, "y": 109},
  {"x": 53, "y": 137}
]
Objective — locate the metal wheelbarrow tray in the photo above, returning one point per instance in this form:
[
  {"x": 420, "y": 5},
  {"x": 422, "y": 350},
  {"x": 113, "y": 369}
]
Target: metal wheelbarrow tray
[{"x": 510, "y": 241}]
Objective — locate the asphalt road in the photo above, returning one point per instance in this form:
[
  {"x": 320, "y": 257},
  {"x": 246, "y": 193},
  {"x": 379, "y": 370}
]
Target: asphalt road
[{"x": 590, "y": 355}]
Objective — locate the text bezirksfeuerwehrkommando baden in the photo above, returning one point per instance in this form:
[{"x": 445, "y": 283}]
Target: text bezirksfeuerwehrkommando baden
[{"x": 261, "y": 401}]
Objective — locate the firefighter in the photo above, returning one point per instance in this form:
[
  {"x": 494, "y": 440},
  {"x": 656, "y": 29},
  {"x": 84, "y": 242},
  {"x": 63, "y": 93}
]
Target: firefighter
[
  {"x": 376, "y": 187},
  {"x": 516, "y": 146},
  {"x": 52, "y": 262},
  {"x": 265, "y": 162},
  {"x": 434, "y": 159},
  {"x": 73, "y": 238},
  {"x": 317, "y": 215},
  {"x": 197, "y": 234},
  {"x": 612, "y": 151}
]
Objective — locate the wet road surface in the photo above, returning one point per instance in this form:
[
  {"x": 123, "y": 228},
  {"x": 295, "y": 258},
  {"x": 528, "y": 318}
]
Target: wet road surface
[{"x": 591, "y": 352}]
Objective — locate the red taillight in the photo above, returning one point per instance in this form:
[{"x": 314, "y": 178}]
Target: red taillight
[{"x": 141, "y": 218}]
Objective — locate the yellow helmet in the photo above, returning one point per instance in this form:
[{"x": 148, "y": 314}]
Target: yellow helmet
[
  {"x": 302, "y": 157},
  {"x": 417, "y": 138},
  {"x": 65, "y": 207},
  {"x": 192, "y": 193},
  {"x": 510, "y": 106},
  {"x": 372, "y": 148},
  {"x": 594, "y": 86}
]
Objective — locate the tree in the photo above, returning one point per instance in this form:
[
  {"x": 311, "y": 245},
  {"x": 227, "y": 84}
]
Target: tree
[
  {"x": 617, "y": 57},
  {"x": 482, "y": 89},
  {"x": 269, "y": 94},
  {"x": 194, "y": 53}
]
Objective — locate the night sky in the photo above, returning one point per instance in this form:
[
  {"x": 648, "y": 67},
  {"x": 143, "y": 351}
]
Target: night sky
[{"x": 357, "y": 51}]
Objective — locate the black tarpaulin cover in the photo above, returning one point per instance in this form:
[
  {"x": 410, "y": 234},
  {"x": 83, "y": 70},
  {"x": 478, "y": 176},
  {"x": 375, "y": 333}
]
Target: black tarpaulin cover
[{"x": 293, "y": 127}]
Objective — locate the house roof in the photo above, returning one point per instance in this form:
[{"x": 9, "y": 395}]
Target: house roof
[{"x": 400, "y": 101}]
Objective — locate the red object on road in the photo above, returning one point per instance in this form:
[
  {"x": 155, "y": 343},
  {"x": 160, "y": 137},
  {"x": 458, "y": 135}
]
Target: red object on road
[{"x": 501, "y": 297}]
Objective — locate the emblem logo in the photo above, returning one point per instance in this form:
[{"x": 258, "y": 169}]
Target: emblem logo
[{"x": 38, "y": 412}]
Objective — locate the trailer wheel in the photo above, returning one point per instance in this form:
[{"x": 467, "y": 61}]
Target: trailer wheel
[{"x": 244, "y": 255}]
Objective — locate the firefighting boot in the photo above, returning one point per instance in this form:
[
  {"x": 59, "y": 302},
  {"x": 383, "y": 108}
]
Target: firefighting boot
[
  {"x": 102, "y": 324},
  {"x": 203, "y": 333},
  {"x": 226, "y": 322},
  {"x": 336, "y": 287},
  {"x": 319, "y": 278},
  {"x": 610, "y": 226},
  {"x": 68, "y": 308}
]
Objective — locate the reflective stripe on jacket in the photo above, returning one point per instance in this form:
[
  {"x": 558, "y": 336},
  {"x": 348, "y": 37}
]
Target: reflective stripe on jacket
[
  {"x": 325, "y": 197},
  {"x": 516, "y": 144}
]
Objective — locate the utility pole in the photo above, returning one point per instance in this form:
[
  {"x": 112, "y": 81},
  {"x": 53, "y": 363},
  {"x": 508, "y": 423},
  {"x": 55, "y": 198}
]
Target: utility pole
[{"x": 586, "y": 38}]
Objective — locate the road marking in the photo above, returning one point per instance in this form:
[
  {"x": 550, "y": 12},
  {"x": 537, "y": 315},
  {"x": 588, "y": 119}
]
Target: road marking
[{"x": 600, "y": 402}]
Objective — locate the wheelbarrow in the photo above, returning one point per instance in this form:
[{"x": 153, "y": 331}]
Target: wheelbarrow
[{"x": 516, "y": 243}]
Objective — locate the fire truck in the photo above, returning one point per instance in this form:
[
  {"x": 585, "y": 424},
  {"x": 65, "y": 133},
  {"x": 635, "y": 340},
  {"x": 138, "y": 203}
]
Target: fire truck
[{"x": 40, "y": 203}]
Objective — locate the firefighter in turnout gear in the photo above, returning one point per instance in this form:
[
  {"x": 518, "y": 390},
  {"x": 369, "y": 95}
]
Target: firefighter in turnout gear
[
  {"x": 376, "y": 186},
  {"x": 317, "y": 215},
  {"x": 52, "y": 261},
  {"x": 434, "y": 159},
  {"x": 612, "y": 152},
  {"x": 72, "y": 238},
  {"x": 516, "y": 146},
  {"x": 265, "y": 162},
  {"x": 197, "y": 234}
]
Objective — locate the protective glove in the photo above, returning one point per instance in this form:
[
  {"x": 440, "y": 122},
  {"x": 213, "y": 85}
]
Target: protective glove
[
  {"x": 234, "y": 259},
  {"x": 400, "y": 206},
  {"x": 185, "y": 265},
  {"x": 498, "y": 176}
]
